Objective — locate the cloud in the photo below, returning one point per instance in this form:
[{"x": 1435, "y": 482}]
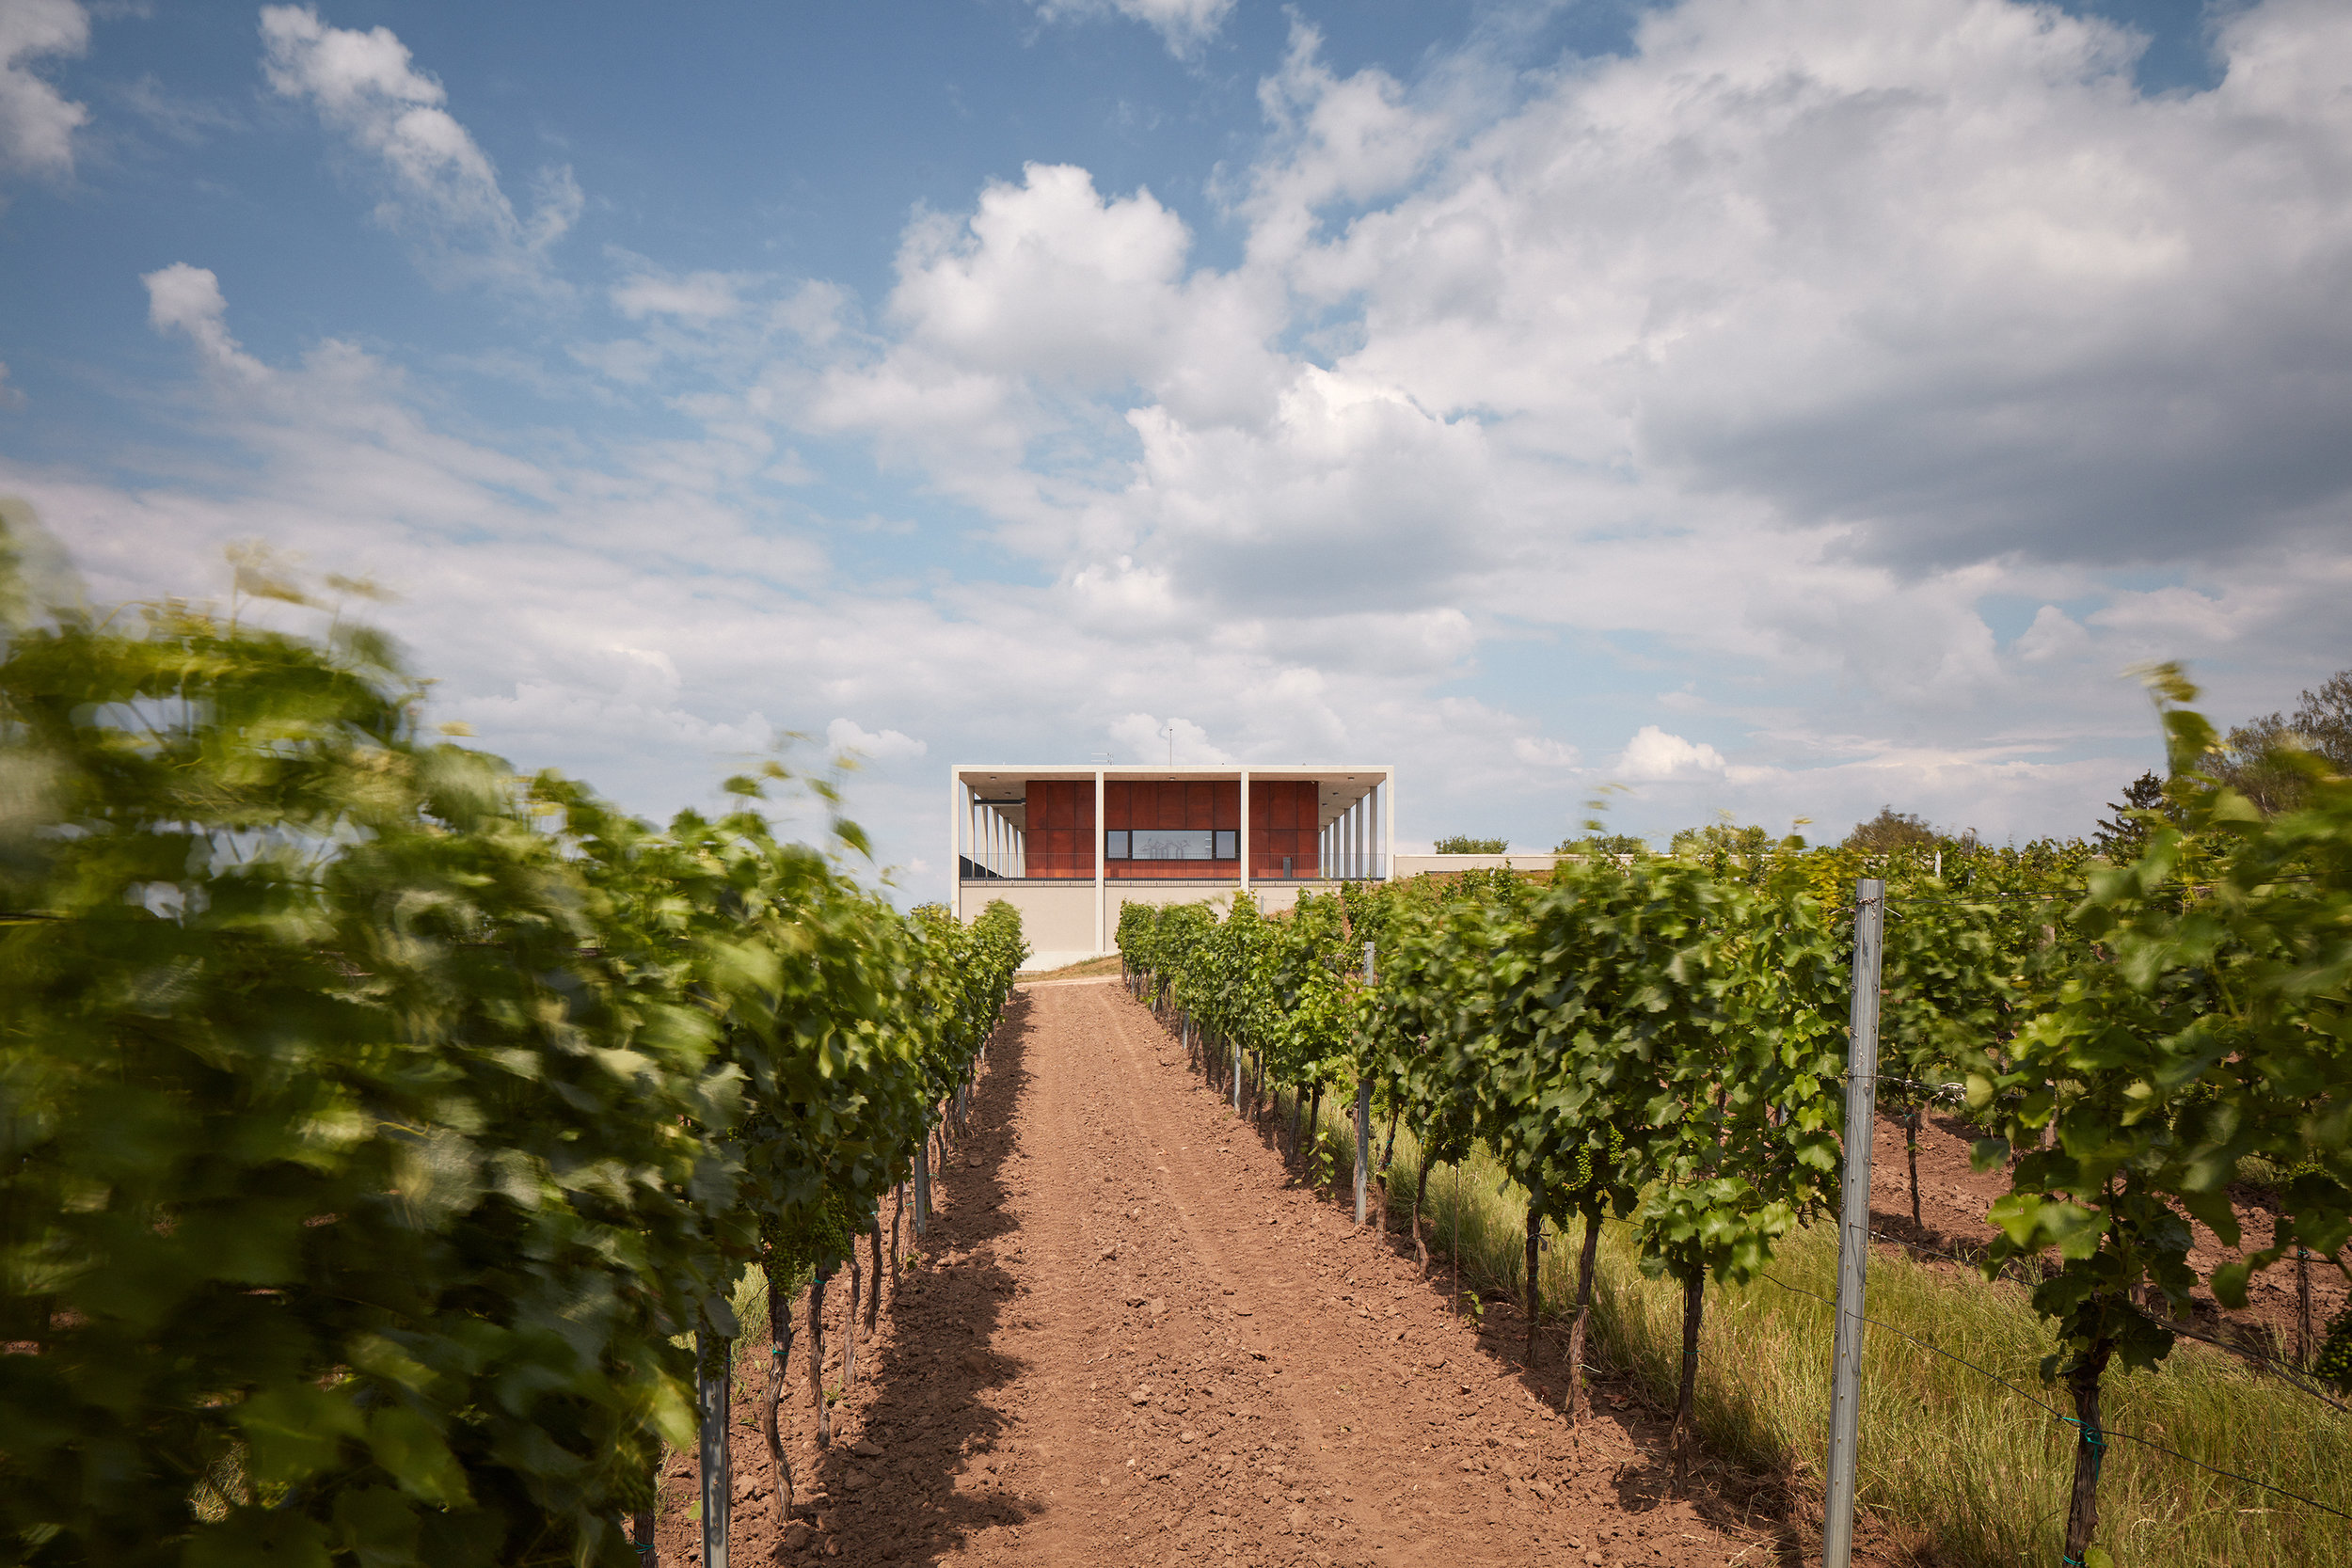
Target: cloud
[
  {"x": 1545, "y": 752},
  {"x": 1774, "y": 346},
  {"x": 2053, "y": 635},
  {"x": 439, "y": 182},
  {"x": 188, "y": 120},
  {"x": 1146, "y": 739},
  {"x": 1653, "y": 754},
  {"x": 844, "y": 734},
  {"x": 1772, "y": 364},
  {"x": 10, "y": 397},
  {"x": 37, "y": 121},
  {"x": 699, "y": 296},
  {"x": 1185, "y": 26},
  {"x": 1931, "y": 270},
  {"x": 187, "y": 300}
]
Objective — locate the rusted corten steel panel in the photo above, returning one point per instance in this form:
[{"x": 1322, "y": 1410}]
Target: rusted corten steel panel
[{"x": 1062, "y": 826}]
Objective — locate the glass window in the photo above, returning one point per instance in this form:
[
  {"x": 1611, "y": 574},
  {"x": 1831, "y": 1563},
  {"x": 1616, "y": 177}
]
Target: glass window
[
  {"x": 1171, "y": 843},
  {"x": 1227, "y": 845},
  {"x": 1115, "y": 844}
]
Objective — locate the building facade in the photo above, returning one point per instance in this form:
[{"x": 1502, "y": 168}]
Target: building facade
[{"x": 1068, "y": 846}]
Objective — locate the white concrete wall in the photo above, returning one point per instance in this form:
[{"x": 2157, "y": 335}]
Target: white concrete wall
[
  {"x": 1413, "y": 865},
  {"x": 1059, "y": 921}
]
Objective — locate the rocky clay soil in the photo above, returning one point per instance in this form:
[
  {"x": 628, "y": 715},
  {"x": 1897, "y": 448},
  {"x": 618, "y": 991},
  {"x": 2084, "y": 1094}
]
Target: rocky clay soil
[{"x": 1137, "y": 1338}]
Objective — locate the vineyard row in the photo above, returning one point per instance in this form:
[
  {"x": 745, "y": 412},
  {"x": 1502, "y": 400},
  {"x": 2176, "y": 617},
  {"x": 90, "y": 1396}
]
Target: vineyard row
[
  {"x": 382, "y": 1131},
  {"x": 1664, "y": 1040}
]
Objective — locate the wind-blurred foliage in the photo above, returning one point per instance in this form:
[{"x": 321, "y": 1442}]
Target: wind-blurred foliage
[{"x": 373, "y": 1119}]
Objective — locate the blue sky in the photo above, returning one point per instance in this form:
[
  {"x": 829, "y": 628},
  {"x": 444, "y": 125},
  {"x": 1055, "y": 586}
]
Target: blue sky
[{"x": 1773, "y": 407}]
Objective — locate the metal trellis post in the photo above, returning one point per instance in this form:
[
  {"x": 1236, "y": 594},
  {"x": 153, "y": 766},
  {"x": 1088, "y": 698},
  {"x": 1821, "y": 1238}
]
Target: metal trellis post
[
  {"x": 1853, "y": 1234},
  {"x": 715, "y": 1365},
  {"x": 1363, "y": 1117}
]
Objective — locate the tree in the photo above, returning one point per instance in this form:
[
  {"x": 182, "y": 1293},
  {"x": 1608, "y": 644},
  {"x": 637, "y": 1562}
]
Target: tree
[
  {"x": 1719, "y": 838},
  {"x": 1892, "y": 829},
  {"x": 1460, "y": 844},
  {"x": 2324, "y": 719},
  {"x": 2252, "y": 759},
  {"x": 1603, "y": 844},
  {"x": 2257, "y": 758},
  {"x": 2121, "y": 836}
]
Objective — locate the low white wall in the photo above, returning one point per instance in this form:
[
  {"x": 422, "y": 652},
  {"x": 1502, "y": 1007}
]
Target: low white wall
[
  {"x": 1270, "y": 897},
  {"x": 1057, "y": 921},
  {"x": 1413, "y": 865}
]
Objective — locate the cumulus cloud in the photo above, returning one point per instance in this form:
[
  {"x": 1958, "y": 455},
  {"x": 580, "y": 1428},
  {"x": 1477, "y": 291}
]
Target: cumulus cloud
[
  {"x": 1653, "y": 754},
  {"x": 1545, "y": 752},
  {"x": 2053, "y": 635},
  {"x": 1051, "y": 304},
  {"x": 1183, "y": 25},
  {"x": 1774, "y": 363},
  {"x": 1931, "y": 269},
  {"x": 1784, "y": 338},
  {"x": 439, "y": 182},
  {"x": 1180, "y": 742},
  {"x": 187, "y": 300},
  {"x": 37, "y": 121},
  {"x": 845, "y": 735}
]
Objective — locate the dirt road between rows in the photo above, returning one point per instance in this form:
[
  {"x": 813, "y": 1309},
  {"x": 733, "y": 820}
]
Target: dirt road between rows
[{"x": 1138, "y": 1338}]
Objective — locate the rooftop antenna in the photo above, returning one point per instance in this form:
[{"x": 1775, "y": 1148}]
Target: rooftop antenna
[{"x": 1171, "y": 734}]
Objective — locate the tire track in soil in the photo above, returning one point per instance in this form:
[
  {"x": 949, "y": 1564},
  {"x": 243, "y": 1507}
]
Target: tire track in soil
[{"x": 1136, "y": 1340}]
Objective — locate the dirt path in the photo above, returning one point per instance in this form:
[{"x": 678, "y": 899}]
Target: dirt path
[{"x": 1139, "y": 1340}]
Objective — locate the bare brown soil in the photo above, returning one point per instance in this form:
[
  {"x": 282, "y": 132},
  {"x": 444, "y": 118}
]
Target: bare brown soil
[
  {"x": 1138, "y": 1338},
  {"x": 1085, "y": 969},
  {"x": 1954, "y": 1199}
]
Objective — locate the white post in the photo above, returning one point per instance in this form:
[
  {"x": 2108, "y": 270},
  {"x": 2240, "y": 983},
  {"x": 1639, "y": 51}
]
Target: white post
[
  {"x": 1388, "y": 821},
  {"x": 1363, "y": 1117},
  {"x": 1244, "y": 830},
  {"x": 1853, "y": 1234},
  {"x": 1102, "y": 888},
  {"x": 955, "y": 845}
]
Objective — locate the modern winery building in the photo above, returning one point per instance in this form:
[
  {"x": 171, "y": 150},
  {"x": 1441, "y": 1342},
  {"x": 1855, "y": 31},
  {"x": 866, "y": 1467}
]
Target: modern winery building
[{"x": 1068, "y": 846}]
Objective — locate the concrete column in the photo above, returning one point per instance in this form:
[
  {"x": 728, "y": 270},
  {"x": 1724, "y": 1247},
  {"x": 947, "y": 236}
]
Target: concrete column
[
  {"x": 1388, "y": 821},
  {"x": 1101, "y": 886},
  {"x": 1244, "y": 830},
  {"x": 955, "y": 846}
]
